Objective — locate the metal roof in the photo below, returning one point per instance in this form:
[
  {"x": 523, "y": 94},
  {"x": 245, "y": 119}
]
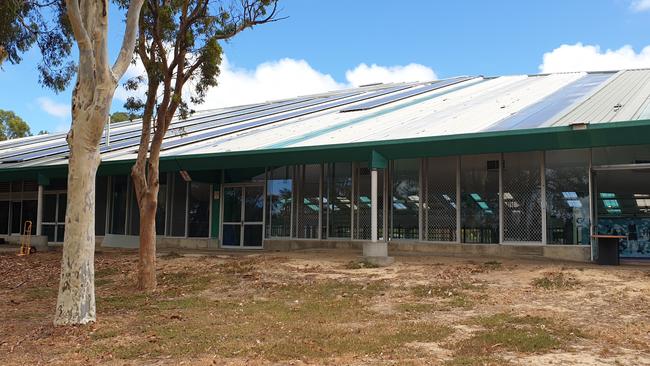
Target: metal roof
[{"x": 378, "y": 112}]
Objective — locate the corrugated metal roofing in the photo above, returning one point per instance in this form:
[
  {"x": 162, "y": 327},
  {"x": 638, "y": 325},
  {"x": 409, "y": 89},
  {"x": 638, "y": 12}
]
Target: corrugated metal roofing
[{"x": 376, "y": 113}]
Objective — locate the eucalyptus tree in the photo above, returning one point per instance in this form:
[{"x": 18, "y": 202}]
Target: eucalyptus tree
[
  {"x": 179, "y": 46},
  {"x": 12, "y": 126},
  {"x": 55, "y": 26}
]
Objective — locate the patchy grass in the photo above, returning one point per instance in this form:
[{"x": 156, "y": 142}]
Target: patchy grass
[
  {"x": 359, "y": 264},
  {"x": 455, "y": 295},
  {"x": 555, "y": 281},
  {"x": 106, "y": 272},
  {"x": 103, "y": 282},
  {"x": 505, "y": 332},
  {"x": 492, "y": 265},
  {"x": 311, "y": 317},
  {"x": 256, "y": 309},
  {"x": 477, "y": 361},
  {"x": 40, "y": 293}
]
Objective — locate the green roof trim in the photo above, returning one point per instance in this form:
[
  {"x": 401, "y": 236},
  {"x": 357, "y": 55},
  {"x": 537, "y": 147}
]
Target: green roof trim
[{"x": 547, "y": 138}]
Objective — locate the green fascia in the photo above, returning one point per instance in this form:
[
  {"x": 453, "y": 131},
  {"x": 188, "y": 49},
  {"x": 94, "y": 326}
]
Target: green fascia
[
  {"x": 536, "y": 139},
  {"x": 377, "y": 161}
]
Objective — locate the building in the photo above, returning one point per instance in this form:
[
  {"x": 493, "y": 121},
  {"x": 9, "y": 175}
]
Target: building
[{"x": 525, "y": 165}]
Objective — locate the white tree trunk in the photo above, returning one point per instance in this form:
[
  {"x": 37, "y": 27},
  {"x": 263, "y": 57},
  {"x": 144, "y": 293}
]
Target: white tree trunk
[
  {"x": 76, "y": 301},
  {"x": 91, "y": 102}
]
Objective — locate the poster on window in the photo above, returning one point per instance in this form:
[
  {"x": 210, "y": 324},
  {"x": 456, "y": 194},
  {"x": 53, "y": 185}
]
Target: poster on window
[{"x": 637, "y": 231}]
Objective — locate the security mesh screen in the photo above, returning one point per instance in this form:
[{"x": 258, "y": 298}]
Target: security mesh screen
[
  {"x": 362, "y": 203},
  {"x": 522, "y": 210},
  {"x": 440, "y": 209}
]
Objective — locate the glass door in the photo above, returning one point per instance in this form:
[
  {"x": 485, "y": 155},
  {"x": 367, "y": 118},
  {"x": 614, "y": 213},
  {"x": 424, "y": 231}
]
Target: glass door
[
  {"x": 253, "y": 216},
  {"x": 243, "y": 216}
]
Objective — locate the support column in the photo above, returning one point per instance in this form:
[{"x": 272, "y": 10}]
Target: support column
[
  {"x": 39, "y": 211},
  {"x": 374, "y": 251},
  {"x": 373, "y": 206}
]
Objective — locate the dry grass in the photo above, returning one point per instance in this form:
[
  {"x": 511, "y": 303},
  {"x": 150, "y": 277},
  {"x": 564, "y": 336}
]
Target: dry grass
[{"x": 302, "y": 308}]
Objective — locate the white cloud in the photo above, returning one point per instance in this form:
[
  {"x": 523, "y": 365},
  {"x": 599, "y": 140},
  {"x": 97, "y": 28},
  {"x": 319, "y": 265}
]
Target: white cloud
[
  {"x": 640, "y": 5},
  {"x": 579, "y": 57},
  {"x": 285, "y": 78},
  {"x": 364, "y": 74},
  {"x": 60, "y": 110},
  {"x": 268, "y": 81}
]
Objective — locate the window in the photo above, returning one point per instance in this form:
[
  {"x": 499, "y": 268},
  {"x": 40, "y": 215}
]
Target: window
[
  {"x": 406, "y": 199},
  {"x": 100, "y": 205},
  {"x": 280, "y": 200},
  {"x": 16, "y": 214},
  {"x": 54, "y": 208},
  {"x": 308, "y": 200},
  {"x": 179, "y": 206},
  {"x": 198, "y": 218},
  {"x": 161, "y": 211},
  {"x": 441, "y": 201},
  {"x": 134, "y": 211},
  {"x": 637, "y": 154},
  {"x": 522, "y": 208},
  {"x": 622, "y": 201},
  {"x": 118, "y": 205},
  {"x": 479, "y": 182},
  {"x": 339, "y": 200},
  {"x": 4, "y": 217},
  {"x": 567, "y": 197}
]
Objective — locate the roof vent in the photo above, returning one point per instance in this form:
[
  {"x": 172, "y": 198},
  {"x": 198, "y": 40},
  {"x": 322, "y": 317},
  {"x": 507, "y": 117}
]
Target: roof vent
[{"x": 576, "y": 126}]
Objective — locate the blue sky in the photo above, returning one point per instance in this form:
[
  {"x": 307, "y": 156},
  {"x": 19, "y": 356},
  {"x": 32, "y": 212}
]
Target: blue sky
[{"x": 333, "y": 44}]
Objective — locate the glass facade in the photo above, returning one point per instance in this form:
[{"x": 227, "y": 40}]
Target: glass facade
[
  {"x": 522, "y": 192},
  {"x": 179, "y": 206},
  {"x": 440, "y": 208},
  {"x": 406, "y": 199},
  {"x": 119, "y": 192},
  {"x": 308, "y": 201},
  {"x": 339, "y": 200},
  {"x": 567, "y": 197},
  {"x": 489, "y": 198},
  {"x": 280, "y": 202},
  {"x": 479, "y": 183},
  {"x": 198, "y": 215}
]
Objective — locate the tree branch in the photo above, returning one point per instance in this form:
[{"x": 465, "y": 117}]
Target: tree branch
[
  {"x": 80, "y": 33},
  {"x": 128, "y": 43}
]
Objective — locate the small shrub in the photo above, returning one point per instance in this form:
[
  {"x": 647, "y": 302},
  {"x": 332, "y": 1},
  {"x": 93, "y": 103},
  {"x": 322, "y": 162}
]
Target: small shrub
[
  {"x": 360, "y": 264},
  {"x": 555, "y": 281}
]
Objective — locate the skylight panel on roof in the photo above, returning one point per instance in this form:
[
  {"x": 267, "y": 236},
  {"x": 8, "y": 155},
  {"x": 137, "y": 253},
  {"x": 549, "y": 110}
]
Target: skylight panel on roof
[{"x": 409, "y": 93}]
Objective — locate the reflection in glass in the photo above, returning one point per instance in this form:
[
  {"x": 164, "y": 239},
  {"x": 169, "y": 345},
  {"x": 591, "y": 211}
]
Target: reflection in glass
[
  {"x": 623, "y": 208},
  {"x": 479, "y": 184},
  {"x": 198, "y": 218},
  {"x": 254, "y": 204},
  {"x": 339, "y": 200},
  {"x": 567, "y": 197},
  {"x": 440, "y": 208},
  {"x": 307, "y": 201},
  {"x": 280, "y": 194},
  {"x": 179, "y": 206},
  {"x": 118, "y": 204},
  {"x": 406, "y": 199}
]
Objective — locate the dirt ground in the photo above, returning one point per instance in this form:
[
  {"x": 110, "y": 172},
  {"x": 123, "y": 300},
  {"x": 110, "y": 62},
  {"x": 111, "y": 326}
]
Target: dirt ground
[{"x": 326, "y": 307}]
